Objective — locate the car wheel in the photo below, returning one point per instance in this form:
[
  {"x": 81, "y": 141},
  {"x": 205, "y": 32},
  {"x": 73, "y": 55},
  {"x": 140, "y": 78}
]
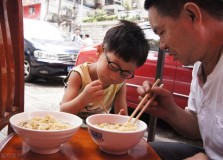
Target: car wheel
[{"x": 27, "y": 71}]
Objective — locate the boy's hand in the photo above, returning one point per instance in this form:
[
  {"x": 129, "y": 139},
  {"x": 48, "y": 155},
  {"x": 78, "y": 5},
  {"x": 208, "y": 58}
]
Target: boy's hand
[
  {"x": 121, "y": 112},
  {"x": 93, "y": 92}
]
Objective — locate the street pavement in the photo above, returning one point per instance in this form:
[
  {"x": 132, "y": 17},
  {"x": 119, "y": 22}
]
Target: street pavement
[{"x": 46, "y": 94}]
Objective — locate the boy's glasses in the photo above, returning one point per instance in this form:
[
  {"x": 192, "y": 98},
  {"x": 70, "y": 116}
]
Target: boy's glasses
[{"x": 115, "y": 67}]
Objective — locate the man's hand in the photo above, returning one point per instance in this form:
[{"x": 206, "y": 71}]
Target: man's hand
[
  {"x": 163, "y": 105},
  {"x": 198, "y": 156}
]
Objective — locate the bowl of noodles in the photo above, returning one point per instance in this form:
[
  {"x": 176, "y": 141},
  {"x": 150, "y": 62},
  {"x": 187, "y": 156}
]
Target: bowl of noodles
[
  {"x": 114, "y": 134},
  {"x": 45, "y": 131}
]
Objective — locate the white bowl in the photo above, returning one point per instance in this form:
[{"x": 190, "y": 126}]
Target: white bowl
[
  {"x": 114, "y": 142},
  {"x": 45, "y": 141}
]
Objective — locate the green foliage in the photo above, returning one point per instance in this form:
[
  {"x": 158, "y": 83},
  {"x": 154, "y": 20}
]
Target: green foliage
[
  {"x": 133, "y": 18},
  {"x": 127, "y": 5},
  {"x": 100, "y": 15}
]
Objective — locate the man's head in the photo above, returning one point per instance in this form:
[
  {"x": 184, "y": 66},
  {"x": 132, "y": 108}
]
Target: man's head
[
  {"x": 185, "y": 27},
  {"x": 87, "y": 35},
  {"x": 127, "y": 41},
  {"x": 77, "y": 31},
  {"x": 173, "y": 8}
]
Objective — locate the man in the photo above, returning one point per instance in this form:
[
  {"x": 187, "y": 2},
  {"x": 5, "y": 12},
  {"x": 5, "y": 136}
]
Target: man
[
  {"x": 77, "y": 38},
  {"x": 191, "y": 31},
  {"x": 87, "y": 41}
]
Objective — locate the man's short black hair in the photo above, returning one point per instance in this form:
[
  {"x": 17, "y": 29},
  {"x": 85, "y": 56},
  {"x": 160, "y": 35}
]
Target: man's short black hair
[{"x": 173, "y": 8}]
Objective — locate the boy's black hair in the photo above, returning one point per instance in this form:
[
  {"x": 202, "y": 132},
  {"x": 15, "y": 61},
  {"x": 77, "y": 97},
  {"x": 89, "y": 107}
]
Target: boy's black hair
[
  {"x": 173, "y": 8},
  {"x": 128, "y": 42}
]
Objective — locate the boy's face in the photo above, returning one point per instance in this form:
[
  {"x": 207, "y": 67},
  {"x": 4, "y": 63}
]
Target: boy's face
[{"x": 114, "y": 70}]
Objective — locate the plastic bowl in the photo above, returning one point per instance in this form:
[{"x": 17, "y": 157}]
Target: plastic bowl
[
  {"x": 45, "y": 141},
  {"x": 114, "y": 142}
]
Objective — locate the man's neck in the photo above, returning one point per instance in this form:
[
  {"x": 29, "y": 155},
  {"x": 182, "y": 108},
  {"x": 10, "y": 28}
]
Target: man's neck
[{"x": 207, "y": 68}]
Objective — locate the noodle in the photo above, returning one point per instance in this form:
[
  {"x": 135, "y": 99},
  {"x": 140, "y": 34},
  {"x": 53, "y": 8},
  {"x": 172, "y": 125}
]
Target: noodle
[
  {"x": 118, "y": 126},
  {"x": 44, "y": 123}
]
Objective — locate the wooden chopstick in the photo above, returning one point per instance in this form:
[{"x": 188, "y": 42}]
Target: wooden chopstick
[
  {"x": 143, "y": 100},
  {"x": 103, "y": 106},
  {"x": 146, "y": 105},
  {"x": 89, "y": 81}
]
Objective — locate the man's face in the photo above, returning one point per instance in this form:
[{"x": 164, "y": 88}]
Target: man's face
[
  {"x": 77, "y": 32},
  {"x": 176, "y": 35}
]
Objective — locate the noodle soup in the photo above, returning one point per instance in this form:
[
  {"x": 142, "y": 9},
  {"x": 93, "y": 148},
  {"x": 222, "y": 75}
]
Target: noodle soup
[
  {"x": 48, "y": 122},
  {"x": 118, "y": 126}
]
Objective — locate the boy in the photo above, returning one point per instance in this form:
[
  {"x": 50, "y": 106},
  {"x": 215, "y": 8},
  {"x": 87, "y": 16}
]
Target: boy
[{"x": 91, "y": 86}]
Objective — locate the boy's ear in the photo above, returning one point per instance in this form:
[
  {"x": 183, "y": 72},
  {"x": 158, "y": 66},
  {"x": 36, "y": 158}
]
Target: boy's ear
[{"x": 99, "y": 50}]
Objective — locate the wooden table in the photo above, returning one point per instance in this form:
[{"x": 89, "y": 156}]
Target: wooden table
[{"x": 80, "y": 147}]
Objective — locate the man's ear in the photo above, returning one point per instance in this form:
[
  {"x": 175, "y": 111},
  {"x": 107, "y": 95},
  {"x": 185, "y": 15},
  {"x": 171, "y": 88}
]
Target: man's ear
[{"x": 193, "y": 12}]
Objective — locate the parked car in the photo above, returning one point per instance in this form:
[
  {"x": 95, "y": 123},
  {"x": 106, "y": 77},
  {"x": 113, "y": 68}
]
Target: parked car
[
  {"x": 48, "y": 50},
  {"x": 176, "y": 77}
]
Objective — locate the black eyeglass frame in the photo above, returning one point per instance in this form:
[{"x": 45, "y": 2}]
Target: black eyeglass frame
[{"x": 116, "y": 68}]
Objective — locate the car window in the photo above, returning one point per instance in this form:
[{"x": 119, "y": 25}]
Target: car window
[
  {"x": 44, "y": 31},
  {"x": 152, "y": 38},
  {"x": 150, "y": 34}
]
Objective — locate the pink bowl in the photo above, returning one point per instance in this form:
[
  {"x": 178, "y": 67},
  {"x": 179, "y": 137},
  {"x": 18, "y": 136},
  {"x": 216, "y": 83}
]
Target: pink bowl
[{"x": 114, "y": 142}]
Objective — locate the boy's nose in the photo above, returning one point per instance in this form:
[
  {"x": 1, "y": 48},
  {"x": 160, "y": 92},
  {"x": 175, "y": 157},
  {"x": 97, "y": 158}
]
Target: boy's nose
[{"x": 114, "y": 76}]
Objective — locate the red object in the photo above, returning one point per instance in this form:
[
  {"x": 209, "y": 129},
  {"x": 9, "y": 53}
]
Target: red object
[
  {"x": 32, "y": 10},
  {"x": 176, "y": 77}
]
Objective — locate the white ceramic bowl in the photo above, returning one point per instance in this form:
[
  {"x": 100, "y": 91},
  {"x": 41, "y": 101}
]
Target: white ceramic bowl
[
  {"x": 114, "y": 142},
  {"x": 45, "y": 141}
]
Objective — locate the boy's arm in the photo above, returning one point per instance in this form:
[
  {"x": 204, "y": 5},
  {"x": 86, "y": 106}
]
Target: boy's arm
[
  {"x": 71, "y": 102},
  {"x": 120, "y": 100}
]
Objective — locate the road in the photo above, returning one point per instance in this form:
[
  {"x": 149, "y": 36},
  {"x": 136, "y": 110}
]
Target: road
[{"x": 46, "y": 94}]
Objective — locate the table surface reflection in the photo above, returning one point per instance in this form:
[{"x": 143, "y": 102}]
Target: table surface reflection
[{"x": 81, "y": 146}]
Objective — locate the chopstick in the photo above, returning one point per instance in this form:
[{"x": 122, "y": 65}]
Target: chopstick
[
  {"x": 89, "y": 81},
  {"x": 143, "y": 100},
  {"x": 146, "y": 105}
]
